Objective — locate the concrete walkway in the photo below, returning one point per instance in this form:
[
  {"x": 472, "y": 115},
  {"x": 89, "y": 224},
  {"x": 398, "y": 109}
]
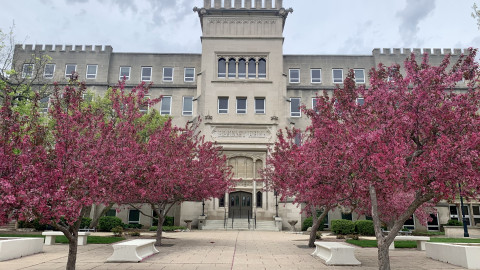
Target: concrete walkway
[{"x": 222, "y": 250}]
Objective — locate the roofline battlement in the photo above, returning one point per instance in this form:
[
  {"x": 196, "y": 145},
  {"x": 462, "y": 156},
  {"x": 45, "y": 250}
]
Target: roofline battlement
[
  {"x": 405, "y": 52},
  {"x": 243, "y": 4},
  {"x": 62, "y": 48}
]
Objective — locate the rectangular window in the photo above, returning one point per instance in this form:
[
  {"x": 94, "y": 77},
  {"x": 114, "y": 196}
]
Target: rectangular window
[
  {"x": 43, "y": 105},
  {"x": 294, "y": 76},
  {"x": 111, "y": 213},
  {"x": 133, "y": 216},
  {"x": 146, "y": 74},
  {"x": 314, "y": 104},
  {"x": 466, "y": 212},
  {"x": 187, "y": 109},
  {"x": 295, "y": 107},
  {"x": 88, "y": 97},
  {"x": 144, "y": 109},
  {"x": 91, "y": 71},
  {"x": 189, "y": 75},
  {"x": 125, "y": 73},
  {"x": 241, "y": 105},
  {"x": 337, "y": 75},
  {"x": 168, "y": 74},
  {"x": 360, "y": 101},
  {"x": 476, "y": 214},
  {"x": 433, "y": 225},
  {"x": 223, "y": 105},
  {"x": 316, "y": 75},
  {"x": 260, "y": 105},
  {"x": 347, "y": 216},
  {"x": 49, "y": 71},
  {"x": 166, "y": 105},
  {"x": 359, "y": 75},
  {"x": 409, "y": 223},
  {"x": 27, "y": 71},
  {"x": 70, "y": 69}
]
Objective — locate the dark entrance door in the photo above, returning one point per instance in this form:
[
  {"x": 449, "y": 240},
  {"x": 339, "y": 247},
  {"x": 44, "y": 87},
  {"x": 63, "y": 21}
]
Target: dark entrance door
[{"x": 240, "y": 205}]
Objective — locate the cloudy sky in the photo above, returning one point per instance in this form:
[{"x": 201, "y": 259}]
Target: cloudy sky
[{"x": 315, "y": 27}]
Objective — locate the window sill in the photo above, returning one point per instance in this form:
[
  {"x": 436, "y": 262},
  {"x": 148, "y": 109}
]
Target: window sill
[{"x": 241, "y": 81}]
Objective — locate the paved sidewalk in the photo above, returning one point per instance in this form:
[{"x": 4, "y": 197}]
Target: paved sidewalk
[{"x": 222, "y": 250}]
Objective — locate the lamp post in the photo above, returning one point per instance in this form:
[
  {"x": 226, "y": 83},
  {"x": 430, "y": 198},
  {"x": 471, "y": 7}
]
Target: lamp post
[
  {"x": 464, "y": 220},
  {"x": 276, "y": 203},
  {"x": 203, "y": 207}
]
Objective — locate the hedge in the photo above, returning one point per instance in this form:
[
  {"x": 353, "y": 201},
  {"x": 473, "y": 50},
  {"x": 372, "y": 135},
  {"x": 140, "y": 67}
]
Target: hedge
[
  {"x": 343, "y": 226},
  {"x": 308, "y": 222},
  {"x": 106, "y": 224},
  {"x": 364, "y": 227}
]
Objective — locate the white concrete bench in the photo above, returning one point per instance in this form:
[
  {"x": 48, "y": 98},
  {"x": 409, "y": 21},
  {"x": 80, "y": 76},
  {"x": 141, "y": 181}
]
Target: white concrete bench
[
  {"x": 51, "y": 235},
  {"x": 133, "y": 250},
  {"x": 335, "y": 253},
  {"x": 421, "y": 240}
]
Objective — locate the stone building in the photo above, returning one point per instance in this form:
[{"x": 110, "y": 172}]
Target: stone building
[{"x": 242, "y": 86}]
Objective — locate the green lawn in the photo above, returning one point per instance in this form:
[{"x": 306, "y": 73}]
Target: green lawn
[
  {"x": 63, "y": 239},
  {"x": 411, "y": 244}
]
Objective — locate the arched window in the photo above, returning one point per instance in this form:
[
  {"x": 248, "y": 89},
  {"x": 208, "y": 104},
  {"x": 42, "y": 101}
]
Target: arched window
[
  {"x": 259, "y": 198},
  {"x": 242, "y": 68},
  {"x": 222, "y": 68},
  {"x": 232, "y": 69},
  {"x": 252, "y": 69},
  {"x": 262, "y": 69}
]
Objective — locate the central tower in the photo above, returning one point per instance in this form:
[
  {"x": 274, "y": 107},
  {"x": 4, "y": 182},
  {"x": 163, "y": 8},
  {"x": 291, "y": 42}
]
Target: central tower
[{"x": 241, "y": 93}]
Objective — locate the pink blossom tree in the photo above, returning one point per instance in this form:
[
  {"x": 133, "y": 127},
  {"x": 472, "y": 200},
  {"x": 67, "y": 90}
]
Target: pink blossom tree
[
  {"x": 177, "y": 165},
  {"x": 413, "y": 141}
]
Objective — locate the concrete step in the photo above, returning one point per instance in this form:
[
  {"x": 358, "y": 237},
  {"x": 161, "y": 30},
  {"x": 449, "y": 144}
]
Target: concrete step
[
  {"x": 8, "y": 227},
  {"x": 240, "y": 224}
]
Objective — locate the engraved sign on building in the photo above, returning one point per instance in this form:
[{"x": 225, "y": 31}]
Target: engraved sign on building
[{"x": 227, "y": 133}]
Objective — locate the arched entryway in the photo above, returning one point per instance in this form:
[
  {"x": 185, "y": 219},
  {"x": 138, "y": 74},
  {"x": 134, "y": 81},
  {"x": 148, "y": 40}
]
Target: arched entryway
[{"x": 240, "y": 205}]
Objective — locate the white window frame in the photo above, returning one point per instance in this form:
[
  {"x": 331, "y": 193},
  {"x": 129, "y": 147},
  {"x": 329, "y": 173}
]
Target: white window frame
[
  {"x": 127, "y": 78},
  {"x": 313, "y": 102},
  {"x": 333, "y": 75},
  {"x": 142, "y": 76},
  {"x": 44, "y": 109},
  {"x": 243, "y": 111},
  {"x": 142, "y": 110},
  {"x": 188, "y": 79},
  {"x": 434, "y": 226},
  {"x": 290, "y": 75},
  {"x": 414, "y": 224},
  {"x": 67, "y": 75},
  {"x": 224, "y": 111},
  {"x": 475, "y": 216},
  {"x": 358, "y": 99},
  {"x": 292, "y": 113},
  {"x": 45, "y": 70},
  {"x": 311, "y": 75},
  {"x": 28, "y": 74},
  {"x": 184, "y": 112},
  {"x": 257, "y": 111},
  {"x": 162, "y": 112},
  {"x": 86, "y": 95},
  {"x": 168, "y": 79},
  {"x": 357, "y": 79},
  {"x": 94, "y": 75}
]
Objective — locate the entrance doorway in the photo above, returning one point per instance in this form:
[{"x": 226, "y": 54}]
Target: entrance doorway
[{"x": 240, "y": 205}]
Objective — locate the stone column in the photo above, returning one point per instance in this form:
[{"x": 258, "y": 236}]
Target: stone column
[
  {"x": 236, "y": 68},
  {"x": 254, "y": 199},
  {"x": 218, "y": 3},
  {"x": 238, "y": 4},
  {"x": 207, "y": 3},
  {"x": 278, "y": 4},
  {"x": 256, "y": 67},
  {"x": 268, "y": 4}
]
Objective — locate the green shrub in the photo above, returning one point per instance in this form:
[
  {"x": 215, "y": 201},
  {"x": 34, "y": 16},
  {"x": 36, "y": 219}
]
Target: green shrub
[
  {"x": 132, "y": 226},
  {"x": 117, "y": 231},
  {"x": 153, "y": 228},
  {"x": 364, "y": 227},
  {"x": 106, "y": 224},
  {"x": 454, "y": 222},
  {"x": 135, "y": 233},
  {"x": 34, "y": 224},
  {"x": 85, "y": 222},
  {"x": 343, "y": 226},
  {"x": 308, "y": 222},
  {"x": 169, "y": 221}
]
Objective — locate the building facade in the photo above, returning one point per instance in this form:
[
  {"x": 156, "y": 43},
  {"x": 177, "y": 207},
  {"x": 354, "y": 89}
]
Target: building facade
[{"x": 242, "y": 86}]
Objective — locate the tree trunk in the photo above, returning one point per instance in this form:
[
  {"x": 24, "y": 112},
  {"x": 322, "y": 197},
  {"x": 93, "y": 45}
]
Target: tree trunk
[
  {"x": 72, "y": 252},
  {"x": 383, "y": 254},
  {"x": 315, "y": 225},
  {"x": 96, "y": 217},
  {"x": 158, "y": 242}
]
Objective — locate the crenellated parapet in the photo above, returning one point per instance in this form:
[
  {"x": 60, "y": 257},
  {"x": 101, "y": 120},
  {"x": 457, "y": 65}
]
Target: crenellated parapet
[
  {"x": 45, "y": 48},
  {"x": 405, "y": 52},
  {"x": 243, "y": 4}
]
